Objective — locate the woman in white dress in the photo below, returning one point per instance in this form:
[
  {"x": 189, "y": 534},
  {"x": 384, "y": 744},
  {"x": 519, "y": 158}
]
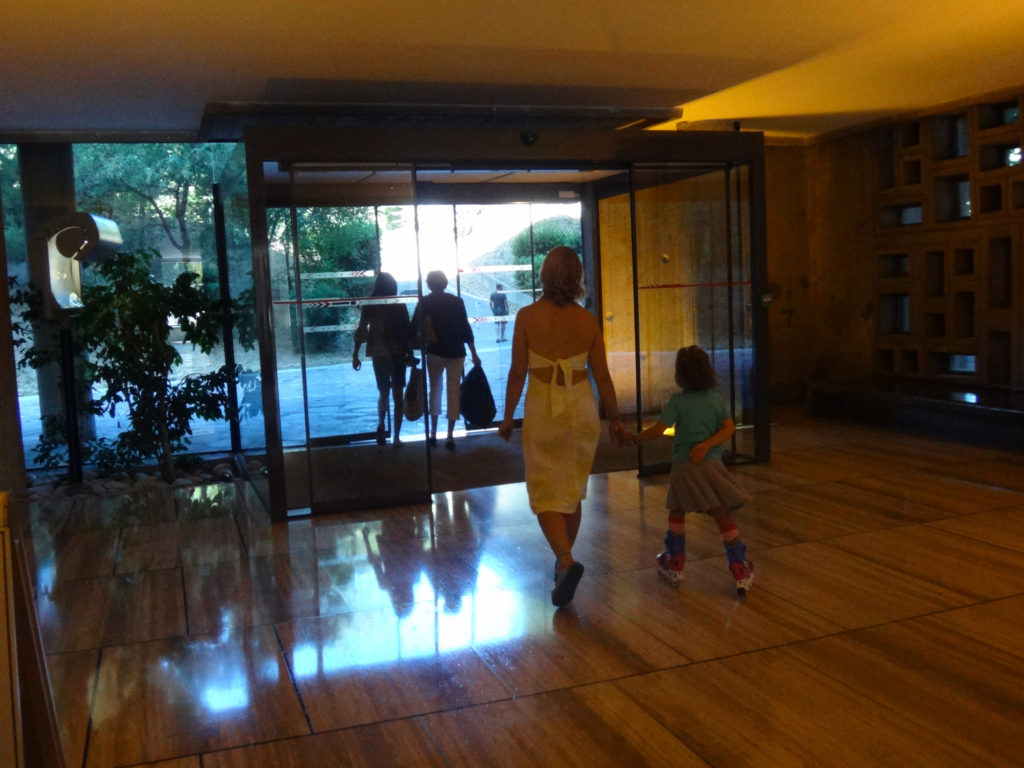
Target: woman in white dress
[{"x": 555, "y": 340}]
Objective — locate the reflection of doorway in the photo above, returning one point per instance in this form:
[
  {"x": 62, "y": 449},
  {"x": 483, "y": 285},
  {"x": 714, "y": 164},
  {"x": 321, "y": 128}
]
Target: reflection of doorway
[{"x": 432, "y": 215}]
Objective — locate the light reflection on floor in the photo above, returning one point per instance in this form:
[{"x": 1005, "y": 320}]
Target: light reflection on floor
[{"x": 189, "y": 629}]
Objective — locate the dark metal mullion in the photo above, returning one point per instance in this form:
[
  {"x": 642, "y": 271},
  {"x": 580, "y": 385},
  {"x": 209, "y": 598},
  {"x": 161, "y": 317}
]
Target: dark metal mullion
[
  {"x": 636, "y": 317},
  {"x": 730, "y": 324},
  {"x": 376, "y": 271},
  {"x": 423, "y": 349},
  {"x": 458, "y": 261},
  {"x": 533, "y": 260},
  {"x": 300, "y": 318},
  {"x": 227, "y": 323}
]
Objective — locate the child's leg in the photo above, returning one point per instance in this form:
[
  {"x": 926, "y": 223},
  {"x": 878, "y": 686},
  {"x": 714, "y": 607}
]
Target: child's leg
[
  {"x": 735, "y": 549},
  {"x": 672, "y": 560}
]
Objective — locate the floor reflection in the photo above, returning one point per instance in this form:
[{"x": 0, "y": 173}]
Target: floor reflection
[{"x": 183, "y": 628}]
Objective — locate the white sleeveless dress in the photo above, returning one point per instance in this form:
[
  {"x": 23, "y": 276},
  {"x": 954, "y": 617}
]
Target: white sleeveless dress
[{"x": 560, "y": 431}]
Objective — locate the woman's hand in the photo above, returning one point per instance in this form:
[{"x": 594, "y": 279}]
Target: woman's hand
[
  {"x": 621, "y": 437},
  {"x": 505, "y": 429},
  {"x": 476, "y": 358},
  {"x": 356, "y": 364}
]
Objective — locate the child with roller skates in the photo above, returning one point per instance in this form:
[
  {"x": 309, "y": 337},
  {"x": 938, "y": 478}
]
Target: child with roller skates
[{"x": 699, "y": 481}]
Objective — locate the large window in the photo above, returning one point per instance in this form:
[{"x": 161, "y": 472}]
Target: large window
[{"x": 161, "y": 196}]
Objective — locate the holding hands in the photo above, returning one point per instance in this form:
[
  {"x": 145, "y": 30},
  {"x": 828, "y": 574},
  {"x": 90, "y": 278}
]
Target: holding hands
[{"x": 620, "y": 436}]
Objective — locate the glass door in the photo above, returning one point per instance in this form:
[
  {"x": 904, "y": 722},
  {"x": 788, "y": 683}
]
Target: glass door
[
  {"x": 667, "y": 248},
  {"x": 689, "y": 249},
  {"x": 332, "y": 230}
]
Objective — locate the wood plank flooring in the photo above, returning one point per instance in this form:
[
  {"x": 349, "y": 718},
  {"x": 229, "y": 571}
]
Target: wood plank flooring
[{"x": 885, "y": 626}]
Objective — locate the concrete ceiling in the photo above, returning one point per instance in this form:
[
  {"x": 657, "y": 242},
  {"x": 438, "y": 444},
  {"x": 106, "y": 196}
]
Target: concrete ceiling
[{"x": 794, "y": 68}]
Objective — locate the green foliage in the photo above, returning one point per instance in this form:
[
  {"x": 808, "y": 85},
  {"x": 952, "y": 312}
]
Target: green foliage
[
  {"x": 125, "y": 330},
  {"x": 27, "y": 308},
  {"x": 332, "y": 240},
  {"x": 547, "y": 233},
  {"x": 13, "y": 212},
  {"x": 161, "y": 196},
  {"x": 125, "y": 327},
  {"x": 156, "y": 192}
]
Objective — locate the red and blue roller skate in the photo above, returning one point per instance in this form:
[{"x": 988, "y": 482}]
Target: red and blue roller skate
[
  {"x": 673, "y": 559},
  {"x": 742, "y": 570}
]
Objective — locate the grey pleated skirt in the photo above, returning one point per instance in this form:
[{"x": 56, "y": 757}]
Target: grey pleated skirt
[{"x": 703, "y": 487}]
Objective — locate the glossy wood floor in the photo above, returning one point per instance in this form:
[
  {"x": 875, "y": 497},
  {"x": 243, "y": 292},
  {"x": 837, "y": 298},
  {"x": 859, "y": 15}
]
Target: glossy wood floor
[{"x": 885, "y": 627}]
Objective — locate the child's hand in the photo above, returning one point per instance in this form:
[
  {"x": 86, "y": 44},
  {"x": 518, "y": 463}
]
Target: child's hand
[{"x": 699, "y": 451}]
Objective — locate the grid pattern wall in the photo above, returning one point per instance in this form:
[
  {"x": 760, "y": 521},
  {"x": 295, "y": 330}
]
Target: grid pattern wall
[{"x": 948, "y": 251}]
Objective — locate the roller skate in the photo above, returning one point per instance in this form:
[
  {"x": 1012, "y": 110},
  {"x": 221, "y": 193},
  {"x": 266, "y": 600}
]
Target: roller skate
[
  {"x": 744, "y": 575},
  {"x": 673, "y": 559},
  {"x": 741, "y": 569},
  {"x": 670, "y": 568}
]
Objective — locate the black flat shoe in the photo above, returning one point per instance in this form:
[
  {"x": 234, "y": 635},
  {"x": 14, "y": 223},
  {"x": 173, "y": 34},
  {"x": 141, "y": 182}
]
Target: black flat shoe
[
  {"x": 450, "y": 444},
  {"x": 564, "y": 590},
  {"x": 381, "y": 440}
]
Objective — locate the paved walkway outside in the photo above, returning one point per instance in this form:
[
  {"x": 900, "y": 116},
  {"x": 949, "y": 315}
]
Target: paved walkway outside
[{"x": 341, "y": 401}]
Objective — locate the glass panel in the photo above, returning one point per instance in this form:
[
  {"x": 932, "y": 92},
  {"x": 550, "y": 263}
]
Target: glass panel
[
  {"x": 740, "y": 276},
  {"x": 161, "y": 197},
  {"x": 17, "y": 267},
  {"x": 324, "y": 261},
  {"x": 500, "y": 249},
  {"x": 693, "y": 287},
  {"x": 233, "y": 193},
  {"x": 616, "y": 247}
]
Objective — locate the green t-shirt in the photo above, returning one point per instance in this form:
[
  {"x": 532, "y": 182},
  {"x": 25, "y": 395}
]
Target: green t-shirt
[{"x": 696, "y": 416}]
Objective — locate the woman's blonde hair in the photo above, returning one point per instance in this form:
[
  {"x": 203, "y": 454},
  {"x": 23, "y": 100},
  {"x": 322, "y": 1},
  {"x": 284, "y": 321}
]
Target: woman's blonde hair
[{"x": 561, "y": 276}]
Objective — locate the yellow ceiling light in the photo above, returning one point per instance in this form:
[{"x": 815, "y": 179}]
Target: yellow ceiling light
[{"x": 925, "y": 60}]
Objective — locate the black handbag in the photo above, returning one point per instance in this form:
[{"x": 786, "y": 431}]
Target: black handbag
[
  {"x": 477, "y": 402},
  {"x": 414, "y": 395}
]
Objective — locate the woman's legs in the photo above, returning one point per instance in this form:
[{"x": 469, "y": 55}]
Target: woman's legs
[
  {"x": 435, "y": 368},
  {"x": 381, "y": 374},
  {"x": 453, "y": 379},
  {"x": 397, "y": 394},
  {"x": 561, "y": 530},
  {"x": 397, "y": 397}
]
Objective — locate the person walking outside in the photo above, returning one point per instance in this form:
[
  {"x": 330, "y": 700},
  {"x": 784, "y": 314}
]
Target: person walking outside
[
  {"x": 385, "y": 330},
  {"x": 441, "y": 322},
  {"x": 499, "y": 308}
]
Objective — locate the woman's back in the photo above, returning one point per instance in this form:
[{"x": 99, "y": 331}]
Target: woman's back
[{"x": 558, "y": 332}]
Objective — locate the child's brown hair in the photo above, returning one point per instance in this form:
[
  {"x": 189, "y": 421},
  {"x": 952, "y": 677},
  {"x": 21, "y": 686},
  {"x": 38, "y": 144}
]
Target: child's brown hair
[{"x": 694, "y": 370}]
